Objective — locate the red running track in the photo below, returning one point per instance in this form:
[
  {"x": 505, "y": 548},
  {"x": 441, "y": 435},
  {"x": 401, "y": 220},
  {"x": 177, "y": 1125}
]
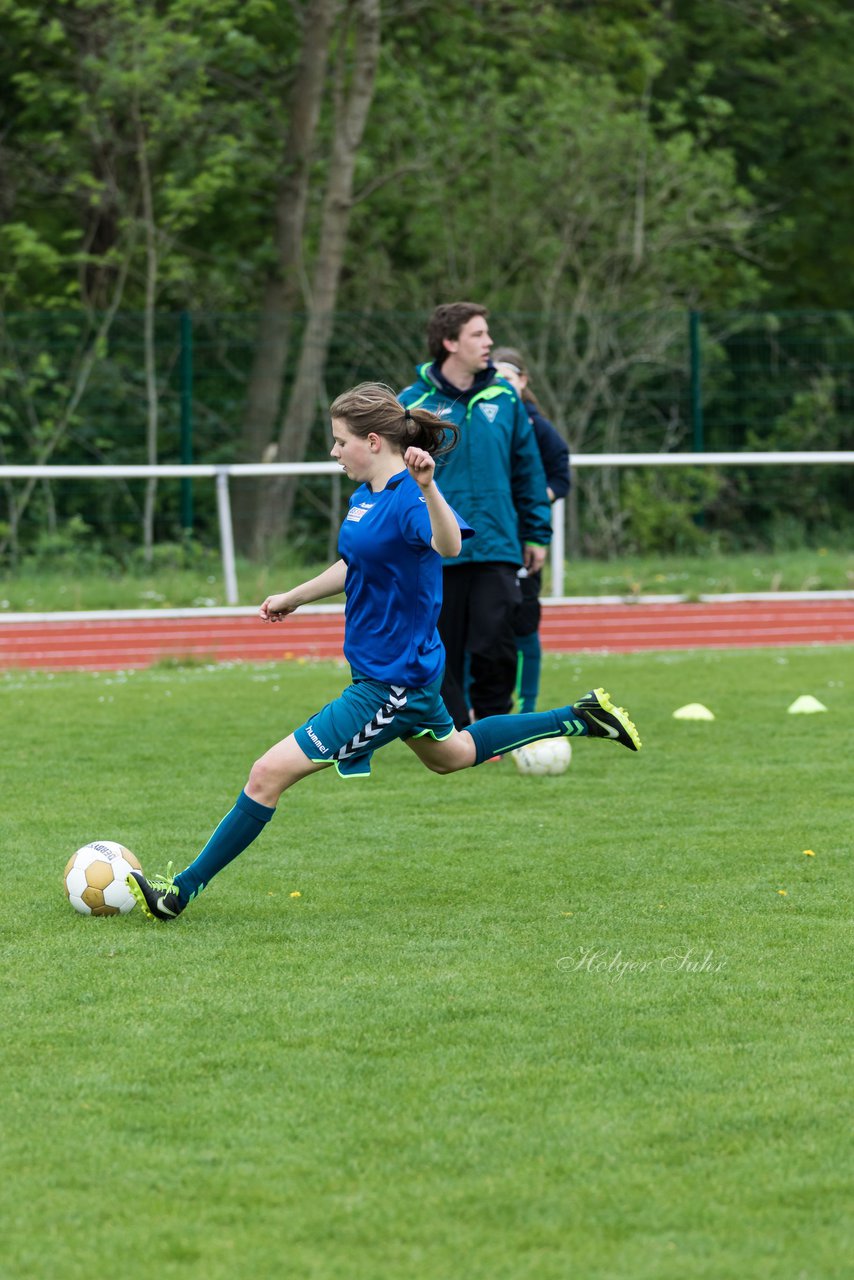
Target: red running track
[{"x": 114, "y": 644}]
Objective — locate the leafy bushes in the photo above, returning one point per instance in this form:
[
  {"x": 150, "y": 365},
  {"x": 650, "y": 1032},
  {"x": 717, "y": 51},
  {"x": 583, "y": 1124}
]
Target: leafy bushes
[{"x": 663, "y": 509}]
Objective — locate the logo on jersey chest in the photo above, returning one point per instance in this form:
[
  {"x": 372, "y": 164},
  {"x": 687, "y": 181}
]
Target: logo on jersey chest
[
  {"x": 489, "y": 411},
  {"x": 356, "y": 513}
]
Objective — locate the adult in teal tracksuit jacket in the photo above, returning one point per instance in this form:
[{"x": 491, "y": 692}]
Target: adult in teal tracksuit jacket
[{"x": 494, "y": 478}]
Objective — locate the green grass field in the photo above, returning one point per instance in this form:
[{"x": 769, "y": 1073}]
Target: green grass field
[
  {"x": 74, "y": 584},
  {"x": 595, "y": 1027}
]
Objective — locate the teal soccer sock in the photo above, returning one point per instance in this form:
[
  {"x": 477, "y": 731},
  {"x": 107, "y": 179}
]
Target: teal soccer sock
[
  {"x": 240, "y": 826},
  {"x": 498, "y": 734},
  {"x": 529, "y": 656}
]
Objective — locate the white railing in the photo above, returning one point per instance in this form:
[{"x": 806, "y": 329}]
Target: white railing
[{"x": 222, "y": 473}]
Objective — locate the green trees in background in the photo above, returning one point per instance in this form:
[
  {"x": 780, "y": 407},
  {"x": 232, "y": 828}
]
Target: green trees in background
[
  {"x": 783, "y": 67},
  {"x": 119, "y": 143},
  {"x": 330, "y": 170}
]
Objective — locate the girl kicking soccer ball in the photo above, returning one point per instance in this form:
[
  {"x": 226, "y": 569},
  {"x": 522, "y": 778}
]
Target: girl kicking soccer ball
[{"x": 396, "y": 532}]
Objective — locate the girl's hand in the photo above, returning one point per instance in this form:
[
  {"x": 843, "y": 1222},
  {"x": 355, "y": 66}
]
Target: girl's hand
[
  {"x": 275, "y": 608},
  {"x": 420, "y": 465}
]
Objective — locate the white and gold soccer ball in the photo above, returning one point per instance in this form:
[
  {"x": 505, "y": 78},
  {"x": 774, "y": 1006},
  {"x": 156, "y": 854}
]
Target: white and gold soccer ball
[
  {"x": 549, "y": 756},
  {"x": 95, "y": 879}
]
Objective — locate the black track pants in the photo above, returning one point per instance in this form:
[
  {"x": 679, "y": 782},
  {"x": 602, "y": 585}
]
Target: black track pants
[{"x": 480, "y": 601}]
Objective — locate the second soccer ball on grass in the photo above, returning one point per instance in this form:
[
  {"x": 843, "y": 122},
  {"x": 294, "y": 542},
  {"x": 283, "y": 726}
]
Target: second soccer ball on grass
[{"x": 549, "y": 756}]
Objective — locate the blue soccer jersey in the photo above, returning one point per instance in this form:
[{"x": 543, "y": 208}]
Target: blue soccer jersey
[{"x": 393, "y": 585}]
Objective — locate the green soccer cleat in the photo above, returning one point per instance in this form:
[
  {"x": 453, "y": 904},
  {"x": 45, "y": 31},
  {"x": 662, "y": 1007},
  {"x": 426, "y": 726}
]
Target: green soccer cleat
[
  {"x": 604, "y": 720},
  {"x": 157, "y": 896}
]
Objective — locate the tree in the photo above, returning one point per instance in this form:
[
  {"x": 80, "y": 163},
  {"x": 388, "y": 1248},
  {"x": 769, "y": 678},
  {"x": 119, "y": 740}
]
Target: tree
[
  {"x": 282, "y": 287},
  {"x": 590, "y": 171},
  {"x": 113, "y": 107},
  {"x": 355, "y": 71},
  {"x": 785, "y": 70},
  {"x": 591, "y": 219}
]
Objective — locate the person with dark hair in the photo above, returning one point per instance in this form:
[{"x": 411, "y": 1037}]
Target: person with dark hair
[
  {"x": 397, "y": 531},
  {"x": 495, "y": 479},
  {"x": 554, "y": 452}
]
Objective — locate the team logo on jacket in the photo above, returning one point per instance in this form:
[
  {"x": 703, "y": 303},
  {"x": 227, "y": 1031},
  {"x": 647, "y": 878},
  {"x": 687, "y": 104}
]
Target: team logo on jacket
[{"x": 490, "y": 411}]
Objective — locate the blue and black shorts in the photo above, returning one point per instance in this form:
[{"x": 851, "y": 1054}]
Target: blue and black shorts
[{"x": 368, "y": 715}]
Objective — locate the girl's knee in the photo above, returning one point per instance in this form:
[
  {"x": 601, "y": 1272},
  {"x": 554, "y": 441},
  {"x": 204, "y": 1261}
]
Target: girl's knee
[
  {"x": 450, "y": 755},
  {"x": 264, "y": 780}
]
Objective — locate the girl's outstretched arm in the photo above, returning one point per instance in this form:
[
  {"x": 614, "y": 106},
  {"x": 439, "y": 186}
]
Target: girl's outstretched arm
[{"x": 328, "y": 583}]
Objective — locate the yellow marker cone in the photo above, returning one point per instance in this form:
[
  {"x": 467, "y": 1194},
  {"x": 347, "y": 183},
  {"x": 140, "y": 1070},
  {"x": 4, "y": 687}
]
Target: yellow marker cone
[
  {"x": 693, "y": 711},
  {"x": 806, "y": 705}
]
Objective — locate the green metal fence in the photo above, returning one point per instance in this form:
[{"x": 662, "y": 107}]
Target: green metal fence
[{"x": 633, "y": 382}]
